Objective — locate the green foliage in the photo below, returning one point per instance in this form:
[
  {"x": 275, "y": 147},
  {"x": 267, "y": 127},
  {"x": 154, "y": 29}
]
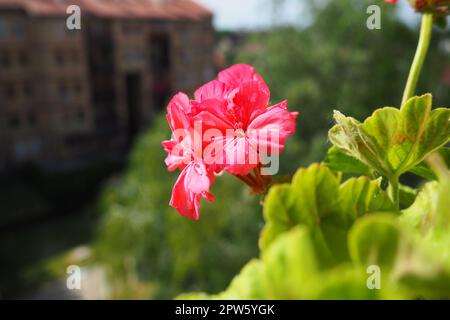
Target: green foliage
[
  {"x": 393, "y": 141},
  {"x": 411, "y": 252},
  {"x": 375, "y": 240},
  {"x": 150, "y": 251},
  {"x": 316, "y": 198}
]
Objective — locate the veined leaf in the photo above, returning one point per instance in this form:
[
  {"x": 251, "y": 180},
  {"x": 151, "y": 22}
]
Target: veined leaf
[
  {"x": 375, "y": 240},
  {"x": 301, "y": 202},
  {"x": 431, "y": 210},
  {"x": 423, "y": 169},
  {"x": 337, "y": 160},
  {"x": 292, "y": 254},
  {"x": 316, "y": 199},
  {"x": 393, "y": 141},
  {"x": 359, "y": 196}
]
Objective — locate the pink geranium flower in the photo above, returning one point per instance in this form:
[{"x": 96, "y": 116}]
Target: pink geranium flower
[
  {"x": 196, "y": 177},
  {"x": 229, "y": 126},
  {"x": 238, "y": 102}
]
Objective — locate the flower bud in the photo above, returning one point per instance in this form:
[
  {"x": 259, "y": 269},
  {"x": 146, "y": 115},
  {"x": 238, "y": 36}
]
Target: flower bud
[{"x": 437, "y": 7}]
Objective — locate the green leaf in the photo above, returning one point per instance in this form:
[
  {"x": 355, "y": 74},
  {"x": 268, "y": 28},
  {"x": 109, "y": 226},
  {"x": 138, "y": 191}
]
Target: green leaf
[
  {"x": 347, "y": 283},
  {"x": 393, "y": 141},
  {"x": 423, "y": 169},
  {"x": 248, "y": 284},
  {"x": 301, "y": 202},
  {"x": 431, "y": 210},
  {"x": 359, "y": 196},
  {"x": 407, "y": 196},
  {"x": 289, "y": 263},
  {"x": 316, "y": 199},
  {"x": 375, "y": 240},
  {"x": 419, "y": 215},
  {"x": 337, "y": 160}
]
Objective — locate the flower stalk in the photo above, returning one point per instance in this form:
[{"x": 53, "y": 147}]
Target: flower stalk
[{"x": 419, "y": 58}]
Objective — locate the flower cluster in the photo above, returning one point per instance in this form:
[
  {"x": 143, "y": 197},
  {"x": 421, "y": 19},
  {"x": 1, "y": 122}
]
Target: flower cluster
[
  {"x": 227, "y": 127},
  {"x": 437, "y": 7}
]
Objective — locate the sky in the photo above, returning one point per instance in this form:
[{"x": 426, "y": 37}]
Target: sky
[
  {"x": 250, "y": 14},
  {"x": 257, "y": 14}
]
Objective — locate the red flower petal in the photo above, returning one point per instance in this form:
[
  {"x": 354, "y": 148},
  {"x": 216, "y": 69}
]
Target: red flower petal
[
  {"x": 212, "y": 90},
  {"x": 248, "y": 101},
  {"x": 234, "y": 154},
  {"x": 193, "y": 184},
  {"x": 234, "y": 76},
  {"x": 278, "y": 121},
  {"x": 177, "y": 112}
]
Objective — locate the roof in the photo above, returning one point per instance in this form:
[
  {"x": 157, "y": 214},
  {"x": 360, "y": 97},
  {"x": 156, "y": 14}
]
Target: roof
[{"x": 158, "y": 9}]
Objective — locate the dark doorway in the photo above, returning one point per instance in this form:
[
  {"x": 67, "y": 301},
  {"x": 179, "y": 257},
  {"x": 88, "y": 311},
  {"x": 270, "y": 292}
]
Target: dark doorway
[
  {"x": 133, "y": 87},
  {"x": 160, "y": 61}
]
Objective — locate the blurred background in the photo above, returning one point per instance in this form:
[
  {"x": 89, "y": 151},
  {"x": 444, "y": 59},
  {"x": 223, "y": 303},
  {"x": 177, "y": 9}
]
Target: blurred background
[{"x": 82, "y": 178}]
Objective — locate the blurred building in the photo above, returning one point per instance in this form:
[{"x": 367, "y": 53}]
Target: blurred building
[{"x": 69, "y": 97}]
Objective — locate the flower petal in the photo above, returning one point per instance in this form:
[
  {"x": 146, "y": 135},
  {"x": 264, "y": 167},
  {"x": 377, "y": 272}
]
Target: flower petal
[
  {"x": 233, "y": 154},
  {"x": 213, "y": 114},
  {"x": 248, "y": 101},
  {"x": 193, "y": 184},
  {"x": 212, "y": 90},
  {"x": 270, "y": 129},
  {"x": 177, "y": 112},
  {"x": 234, "y": 76}
]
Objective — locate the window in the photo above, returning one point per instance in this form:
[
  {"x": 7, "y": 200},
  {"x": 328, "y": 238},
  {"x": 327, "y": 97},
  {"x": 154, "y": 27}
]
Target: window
[
  {"x": 160, "y": 51},
  {"x": 26, "y": 149},
  {"x": 133, "y": 55},
  {"x": 132, "y": 28}
]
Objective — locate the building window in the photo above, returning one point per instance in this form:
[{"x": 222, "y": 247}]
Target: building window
[
  {"x": 131, "y": 28},
  {"x": 160, "y": 51}
]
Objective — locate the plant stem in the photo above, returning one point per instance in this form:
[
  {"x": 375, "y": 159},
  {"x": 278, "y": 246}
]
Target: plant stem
[
  {"x": 394, "y": 191},
  {"x": 419, "y": 58}
]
